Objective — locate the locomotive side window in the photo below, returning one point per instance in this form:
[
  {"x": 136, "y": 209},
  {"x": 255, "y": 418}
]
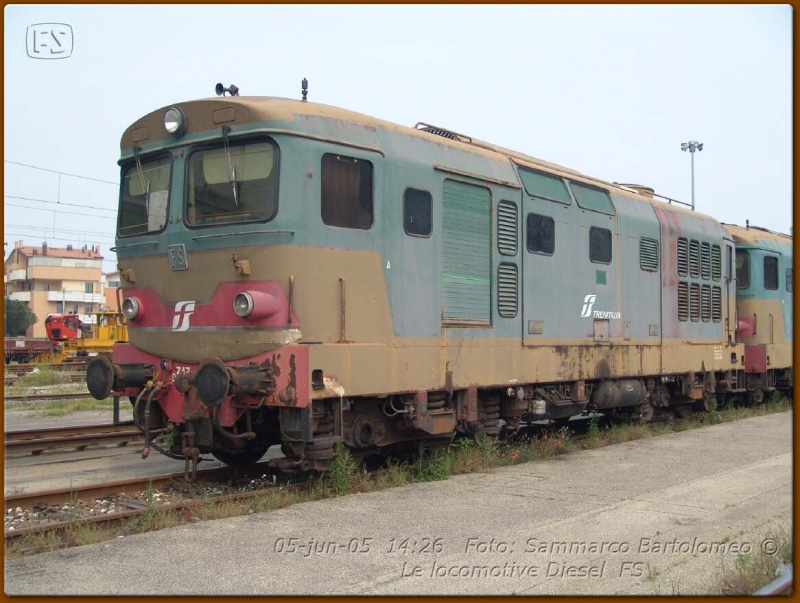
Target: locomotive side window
[
  {"x": 743, "y": 269},
  {"x": 232, "y": 184},
  {"x": 590, "y": 197},
  {"x": 541, "y": 184},
  {"x": 789, "y": 279},
  {"x": 541, "y": 234},
  {"x": 600, "y": 245},
  {"x": 346, "y": 192},
  {"x": 144, "y": 197},
  {"x": 771, "y": 273},
  {"x": 417, "y": 212}
]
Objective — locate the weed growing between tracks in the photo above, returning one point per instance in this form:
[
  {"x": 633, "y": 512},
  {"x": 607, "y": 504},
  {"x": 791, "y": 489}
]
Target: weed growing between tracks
[{"x": 462, "y": 455}]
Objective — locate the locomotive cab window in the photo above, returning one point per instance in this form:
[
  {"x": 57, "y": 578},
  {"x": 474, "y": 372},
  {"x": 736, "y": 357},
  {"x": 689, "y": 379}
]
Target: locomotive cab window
[
  {"x": 417, "y": 212},
  {"x": 771, "y": 273},
  {"x": 232, "y": 184},
  {"x": 144, "y": 197},
  {"x": 346, "y": 192},
  {"x": 743, "y": 269},
  {"x": 547, "y": 186},
  {"x": 541, "y": 234},
  {"x": 600, "y": 245},
  {"x": 592, "y": 198}
]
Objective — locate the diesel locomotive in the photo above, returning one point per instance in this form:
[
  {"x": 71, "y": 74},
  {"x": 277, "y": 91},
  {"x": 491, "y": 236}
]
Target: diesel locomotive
[{"x": 300, "y": 275}]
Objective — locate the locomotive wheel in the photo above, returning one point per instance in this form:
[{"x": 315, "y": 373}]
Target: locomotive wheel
[
  {"x": 245, "y": 458},
  {"x": 755, "y": 397}
]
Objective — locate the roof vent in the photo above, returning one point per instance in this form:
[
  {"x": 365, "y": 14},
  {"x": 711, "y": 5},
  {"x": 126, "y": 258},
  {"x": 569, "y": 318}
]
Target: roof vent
[
  {"x": 442, "y": 132},
  {"x": 645, "y": 191}
]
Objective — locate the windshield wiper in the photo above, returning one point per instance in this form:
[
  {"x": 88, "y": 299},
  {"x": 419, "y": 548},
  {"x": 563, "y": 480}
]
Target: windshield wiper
[
  {"x": 231, "y": 167},
  {"x": 145, "y": 185}
]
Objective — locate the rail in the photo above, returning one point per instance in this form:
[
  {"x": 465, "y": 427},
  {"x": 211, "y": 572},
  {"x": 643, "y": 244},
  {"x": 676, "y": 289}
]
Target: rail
[
  {"x": 782, "y": 585},
  {"x": 78, "y": 437}
]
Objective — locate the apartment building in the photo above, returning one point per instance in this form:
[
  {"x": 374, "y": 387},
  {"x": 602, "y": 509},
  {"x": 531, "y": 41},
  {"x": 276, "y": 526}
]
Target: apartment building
[
  {"x": 111, "y": 283},
  {"x": 55, "y": 280}
]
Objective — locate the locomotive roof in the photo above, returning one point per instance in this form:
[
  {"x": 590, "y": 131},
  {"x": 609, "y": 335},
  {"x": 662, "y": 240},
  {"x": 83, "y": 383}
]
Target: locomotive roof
[
  {"x": 756, "y": 234},
  {"x": 265, "y": 108}
]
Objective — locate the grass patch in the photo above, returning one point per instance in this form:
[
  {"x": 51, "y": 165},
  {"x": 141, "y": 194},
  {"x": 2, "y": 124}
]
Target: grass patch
[
  {"x": 758, "y": 568},
  {"x": 42, "y": 377},
  {"x": 462, "y": 455},
  {"x": 60, "y": 408}
]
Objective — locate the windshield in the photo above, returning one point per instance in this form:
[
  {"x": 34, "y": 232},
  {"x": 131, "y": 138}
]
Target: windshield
[
  {"x": 233, "y": 184},
  {"x": 144, "y": 197}
]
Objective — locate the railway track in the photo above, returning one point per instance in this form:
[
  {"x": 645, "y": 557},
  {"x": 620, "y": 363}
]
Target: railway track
[
  {"x": 130, "y": 487},
  {"x": 34, "y": 397},
  {"x": 19, "y": 369},
  {"x": 73, "y": 437},
  {"x": 72, "y": 377}
]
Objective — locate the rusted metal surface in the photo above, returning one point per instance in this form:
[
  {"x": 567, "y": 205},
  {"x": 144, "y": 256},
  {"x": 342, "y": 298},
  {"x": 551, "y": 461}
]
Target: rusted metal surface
[{"x": 79, "y": 437}]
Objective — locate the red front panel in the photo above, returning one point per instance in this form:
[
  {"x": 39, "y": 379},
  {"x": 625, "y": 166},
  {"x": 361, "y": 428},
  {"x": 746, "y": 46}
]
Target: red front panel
[{"x": 755, "y": 358}]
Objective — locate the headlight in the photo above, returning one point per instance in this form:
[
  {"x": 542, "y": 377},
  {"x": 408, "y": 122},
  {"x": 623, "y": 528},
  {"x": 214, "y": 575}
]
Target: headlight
[
  {"x": 174, "y": 121},
  {"x": 131, "y": 308},
  {"x": 243, "y": 304}
]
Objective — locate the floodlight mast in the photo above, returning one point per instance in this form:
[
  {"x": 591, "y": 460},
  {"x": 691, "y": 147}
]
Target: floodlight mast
[{"x": 692, "y": 146}]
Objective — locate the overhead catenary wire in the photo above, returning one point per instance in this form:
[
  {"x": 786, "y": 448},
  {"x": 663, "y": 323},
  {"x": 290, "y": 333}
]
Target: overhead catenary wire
[
  {"x": 71, "y": 213},
  {"x": 59, "y": 203},
  {"x": 36, "y": 167}
]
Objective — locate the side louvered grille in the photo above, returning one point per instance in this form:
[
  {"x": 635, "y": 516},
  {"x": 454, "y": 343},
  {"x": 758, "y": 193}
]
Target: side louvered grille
[
  {"x": 683, "y": 301},
  {"x": 705, "y": 261},
  {"x": 683, "y": 257},
  {"x": 716, "y": 262},
  {"x": 507, "y": 228},
  {"x": 716, "y": 305},
  {"x": 705, "y": 303},
  {"x": 694, "y": 302},
  {"x": 694, "y": 258},
  {"x": 507, "y": 290},
  {"x": 648, "y": 254}
]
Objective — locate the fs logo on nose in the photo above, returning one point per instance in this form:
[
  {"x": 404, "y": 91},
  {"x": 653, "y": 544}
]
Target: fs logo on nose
[
  {"x": 588, "y": 302},
  {"x": 183, "y": 310}
]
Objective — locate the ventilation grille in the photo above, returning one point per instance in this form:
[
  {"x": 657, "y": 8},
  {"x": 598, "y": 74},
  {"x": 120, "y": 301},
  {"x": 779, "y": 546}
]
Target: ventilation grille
[
  {"x": 716, "y": 305},
  {"x": 442, "y": 132},
  {"x": 694, "y": 258},
  {"x": 683, "y": 301},
  {"x": 694, "y": 302},
  {"x": 648, "y": 254},
  {"x": 683, "y": 257},
  {"x": 507, "y": 227},
  {"x": 705, "y": 303},
  {"x": 716, "y": 263},
  {"x": 507, "y": 290},
  {"x": 705, "y": 261}
]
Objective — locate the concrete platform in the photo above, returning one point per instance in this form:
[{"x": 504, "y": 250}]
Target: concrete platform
[{"x": 657, "y": 516}]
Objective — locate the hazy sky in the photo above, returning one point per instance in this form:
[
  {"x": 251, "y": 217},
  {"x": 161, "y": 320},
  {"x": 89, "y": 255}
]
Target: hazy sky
[{"x": 609, "y": 91}]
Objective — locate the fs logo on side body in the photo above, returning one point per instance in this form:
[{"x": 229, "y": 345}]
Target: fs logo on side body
[
  {"x": 588, "y": 304},
  {"x": 183, "y": 312}
]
